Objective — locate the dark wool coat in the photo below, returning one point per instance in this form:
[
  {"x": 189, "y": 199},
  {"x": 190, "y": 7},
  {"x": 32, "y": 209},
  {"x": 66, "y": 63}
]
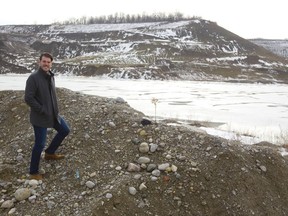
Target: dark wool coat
[{"x": 40, "y": 95}]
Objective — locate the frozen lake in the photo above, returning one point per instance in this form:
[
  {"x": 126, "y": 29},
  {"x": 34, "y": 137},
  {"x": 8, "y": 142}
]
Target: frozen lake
[{"x": 255, "y": 109}]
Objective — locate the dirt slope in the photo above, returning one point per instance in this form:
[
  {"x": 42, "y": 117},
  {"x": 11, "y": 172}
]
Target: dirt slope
[{"x": 204, "y": 175}]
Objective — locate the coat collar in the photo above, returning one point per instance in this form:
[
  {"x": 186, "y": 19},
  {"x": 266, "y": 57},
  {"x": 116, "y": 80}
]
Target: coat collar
[{"x": 47, "y": 75}]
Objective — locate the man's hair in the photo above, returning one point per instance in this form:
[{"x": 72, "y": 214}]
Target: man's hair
[{"x": 47, "y": 55}]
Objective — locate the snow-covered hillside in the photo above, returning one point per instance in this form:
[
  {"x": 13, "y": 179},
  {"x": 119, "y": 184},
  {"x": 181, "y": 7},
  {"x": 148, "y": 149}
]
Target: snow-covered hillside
[
  {"x": 192, "y": 49},
  {"x": 279, "y": 47}
]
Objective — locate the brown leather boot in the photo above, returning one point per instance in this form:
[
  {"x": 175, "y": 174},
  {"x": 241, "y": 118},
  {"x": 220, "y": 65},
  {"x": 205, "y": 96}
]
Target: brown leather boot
[
  {"x": 53, "y": 156},
  {"x": 36, "y": 176}
]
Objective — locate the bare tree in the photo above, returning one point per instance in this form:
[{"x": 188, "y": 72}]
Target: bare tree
[{"x": 134, "y": 18}]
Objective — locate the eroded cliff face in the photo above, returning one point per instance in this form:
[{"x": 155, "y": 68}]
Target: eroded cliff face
[
  {"x": 191, "y": 50},
  {"x": 115, "y": 165}
]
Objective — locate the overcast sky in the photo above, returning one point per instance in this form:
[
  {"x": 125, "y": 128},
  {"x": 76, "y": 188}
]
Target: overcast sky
[{"x": 246, "y": 18}]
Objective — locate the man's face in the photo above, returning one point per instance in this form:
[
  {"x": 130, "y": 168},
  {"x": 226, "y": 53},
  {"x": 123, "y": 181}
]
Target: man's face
[{"x": 45, "y": 63}]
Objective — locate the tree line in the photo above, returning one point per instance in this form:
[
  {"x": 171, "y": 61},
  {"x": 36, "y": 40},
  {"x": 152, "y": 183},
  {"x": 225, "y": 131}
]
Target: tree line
[{"x": 127, "y": 18}]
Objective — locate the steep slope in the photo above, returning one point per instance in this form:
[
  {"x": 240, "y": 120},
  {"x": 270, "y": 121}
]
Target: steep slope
[{"x": 194, "y": 49}]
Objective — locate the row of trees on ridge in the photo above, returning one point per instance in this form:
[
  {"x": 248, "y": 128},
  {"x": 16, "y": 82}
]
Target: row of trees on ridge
[{"x": 127, "y": 18}]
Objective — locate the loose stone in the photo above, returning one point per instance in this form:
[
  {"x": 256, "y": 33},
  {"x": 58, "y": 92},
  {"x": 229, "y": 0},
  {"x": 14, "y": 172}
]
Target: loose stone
[
  {"x": 154, "y": 178},
  {"x": 163, "y": 166},
  {"x": 12, "y": 211},
  {"x": 7, "y": 204},
  {"x": 76, "y": 205},
  {"x": 112, "y": 124},
  {"x": 168, "y": 157},
  {"x": 132, "y": 190},
  {"x": 90, "y": 184},
  {"x": 133, "y": 167},
  {"x": 153, "y": 147},
  {"x": 22, "y": 194},
  {"x": 144, "y": 160},
  {"x": 156, "y": 172},
  {"x": 137, "y": 176},
  {"x": 108, "y": 195},
  {"x": 144, "y": 147},
  {"x": 151, "y": 167},
  {"x": 33, "y": 182},
  {"x": 143, "y": 133},
  {"x": 174, "y": 168},
  {"x": 142, "y": 186},
  {"x": 263, "y": 168},
  {"x": 32, "y": 198},
  {"x": 118, "y": 168}
]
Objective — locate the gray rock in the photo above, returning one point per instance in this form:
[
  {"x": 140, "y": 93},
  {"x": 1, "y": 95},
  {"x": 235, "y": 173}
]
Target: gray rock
[
  {"x": 22, "y": 194},
  {"x": 263, "y": 168},
  {"x": 154, "y": 178},
  {"x": 153, "y": 147},
  {"x": 33, "y": 182},
  {"x": 144, "y": 147},
  {"x": 133, "y": 167},
  {"x": 144, "y": 160},
  {"x": 119, "y": 100},
  {"x": 137, "y": 176},
  {"x": 12, "y": 211},
  {"x": 156, "y": 172},
  {"x": 112, "y": 124},
  {"x": 151, "y": 167},
  {"x": 108, "y": 195},
  {"x": 90, "y": 184},
  {"x": 7, "y": 204},
  {"x": 163, "y": 166},
  {"x": 132, "y": 190}
]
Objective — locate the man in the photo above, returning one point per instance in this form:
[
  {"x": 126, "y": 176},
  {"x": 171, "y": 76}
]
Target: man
[{"x": 40, "y": 95}]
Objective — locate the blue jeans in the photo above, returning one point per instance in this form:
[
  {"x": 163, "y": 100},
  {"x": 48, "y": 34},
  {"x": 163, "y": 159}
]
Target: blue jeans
[{"x": 40, "y": 140}]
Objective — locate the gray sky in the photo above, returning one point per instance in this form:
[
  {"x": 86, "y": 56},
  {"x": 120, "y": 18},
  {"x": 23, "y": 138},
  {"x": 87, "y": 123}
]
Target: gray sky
[{"x": 246, "y": 18}]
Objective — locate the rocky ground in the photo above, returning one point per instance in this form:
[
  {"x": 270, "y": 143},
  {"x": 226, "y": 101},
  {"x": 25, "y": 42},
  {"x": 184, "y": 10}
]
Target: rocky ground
[{"x": 114, "y": 165}]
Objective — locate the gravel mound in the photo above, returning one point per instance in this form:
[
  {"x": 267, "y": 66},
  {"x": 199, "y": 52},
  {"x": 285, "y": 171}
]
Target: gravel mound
[{"x": 114, "y": 165}]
